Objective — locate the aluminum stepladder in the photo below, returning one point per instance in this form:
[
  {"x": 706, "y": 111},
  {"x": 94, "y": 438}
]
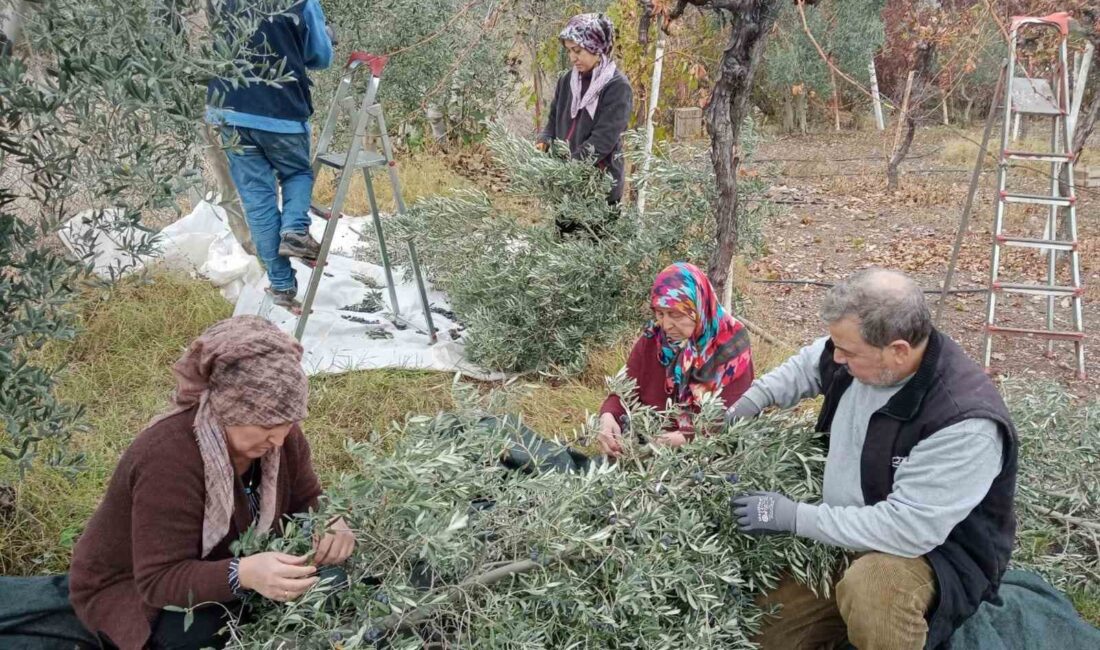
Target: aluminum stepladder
[
  {"x": 366, "y": 122},
  {"x": 1051, "y": 99}
]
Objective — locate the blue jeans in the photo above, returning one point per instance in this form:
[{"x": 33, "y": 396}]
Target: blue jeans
[{"x": 261, "y": 158}]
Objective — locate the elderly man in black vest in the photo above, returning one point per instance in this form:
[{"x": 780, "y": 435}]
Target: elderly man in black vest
[{"x": 919, "y": 481}]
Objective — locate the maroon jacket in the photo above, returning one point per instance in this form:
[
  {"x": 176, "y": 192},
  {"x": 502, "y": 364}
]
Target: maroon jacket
[
  {"x": 644, "y": 367},
  {"x": 140, "y": 551}
]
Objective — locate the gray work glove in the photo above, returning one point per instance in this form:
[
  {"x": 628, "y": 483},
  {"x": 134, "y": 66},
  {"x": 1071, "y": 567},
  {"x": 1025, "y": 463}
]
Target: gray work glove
[
  {"x": 764, "y": 513},
  {"x": 743, "y": 409}
]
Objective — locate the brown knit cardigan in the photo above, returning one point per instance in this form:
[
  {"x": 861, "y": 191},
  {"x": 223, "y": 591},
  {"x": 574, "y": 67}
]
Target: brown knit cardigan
[{"x": 141, "y": 549}]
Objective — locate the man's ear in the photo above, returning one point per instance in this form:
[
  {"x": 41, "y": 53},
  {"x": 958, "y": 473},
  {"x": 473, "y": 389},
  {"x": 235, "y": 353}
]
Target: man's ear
[{"x": 900, "y": 350}]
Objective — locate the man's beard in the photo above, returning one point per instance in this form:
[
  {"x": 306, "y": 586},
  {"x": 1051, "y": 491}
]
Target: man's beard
[{"x": 883, "y": 378}]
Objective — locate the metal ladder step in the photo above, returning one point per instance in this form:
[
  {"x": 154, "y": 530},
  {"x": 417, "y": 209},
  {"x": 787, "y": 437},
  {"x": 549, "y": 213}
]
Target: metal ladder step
[
  {"x": 1043, "y": 244},
  {"x": 1061, "y": 335},
  {"x": 1038, "y": 156},
  {"x": 1033, "y": 96},
  {"x": 1037, "y": 199},
  {"x": 1037, "y": 289},
  {"x": 338, "y": 159}
]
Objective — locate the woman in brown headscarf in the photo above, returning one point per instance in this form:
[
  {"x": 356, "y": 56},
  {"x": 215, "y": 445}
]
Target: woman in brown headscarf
[{"x": 227, "y": 455}]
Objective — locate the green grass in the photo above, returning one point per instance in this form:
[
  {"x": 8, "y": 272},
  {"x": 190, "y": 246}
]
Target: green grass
[
  {"x": 1087, "y": 604},
  {"x": 119, "y": 367}
]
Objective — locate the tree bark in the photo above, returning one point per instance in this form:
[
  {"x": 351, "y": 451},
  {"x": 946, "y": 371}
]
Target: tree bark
[
  {"x": 969, "y": 106},
  {"x": 800, "y": 113},
  {"x": 788, "y": 114},
  {"x": 725, "y": 112},
  {"x": 645, "y": 21},
  {"x": 536, "y": 76},
  {"x": 900, "y": 154},
  {"x": 1086, "y": 122}
]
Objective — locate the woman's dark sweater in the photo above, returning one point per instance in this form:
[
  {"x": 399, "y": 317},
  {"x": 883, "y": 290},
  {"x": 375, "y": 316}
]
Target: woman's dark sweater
[{"x": 598, "y": 137}]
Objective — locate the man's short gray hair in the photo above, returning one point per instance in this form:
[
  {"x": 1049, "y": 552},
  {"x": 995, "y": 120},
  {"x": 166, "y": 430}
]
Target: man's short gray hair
[{"x": 888, "y": 304}]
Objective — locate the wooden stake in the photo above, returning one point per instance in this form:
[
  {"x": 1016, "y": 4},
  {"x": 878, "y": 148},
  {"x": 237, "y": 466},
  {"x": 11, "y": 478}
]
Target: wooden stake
[
  {"x": 904, "y": 112},
  {"x": 654, "y": 94},
  {"x": 759, "y": 331},
  {"x": 836, "y": 99},
  {"x": 876, "y": 100},
  {"x": 1079, "y": 89},
  {"x": 964, "y": 220}
]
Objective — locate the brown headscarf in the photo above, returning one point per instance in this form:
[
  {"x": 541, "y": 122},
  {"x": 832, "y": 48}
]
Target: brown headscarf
[{"x": 240, "y": 371}]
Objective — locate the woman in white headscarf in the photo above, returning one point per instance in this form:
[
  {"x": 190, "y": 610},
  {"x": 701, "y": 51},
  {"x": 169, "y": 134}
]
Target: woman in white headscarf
[{"x": 592, "y": 102}]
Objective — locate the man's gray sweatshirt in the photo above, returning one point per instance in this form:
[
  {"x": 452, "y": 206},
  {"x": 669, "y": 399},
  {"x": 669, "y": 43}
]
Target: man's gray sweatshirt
[{"x": 944, "y": 477}]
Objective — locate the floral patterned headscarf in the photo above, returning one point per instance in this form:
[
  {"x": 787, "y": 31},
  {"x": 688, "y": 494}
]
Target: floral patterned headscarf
[
  {"x": 593, "y": 32},
  {"x": 718, "y": 350}
]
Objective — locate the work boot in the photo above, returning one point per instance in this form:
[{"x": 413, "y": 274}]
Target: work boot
[
  {"x": 299, "y": 244},
  {"x": 285, "y": 298}
]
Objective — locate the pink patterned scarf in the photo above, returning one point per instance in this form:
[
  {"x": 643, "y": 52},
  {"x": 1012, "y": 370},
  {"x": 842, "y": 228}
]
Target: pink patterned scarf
[{"x": 602, "y": 75}]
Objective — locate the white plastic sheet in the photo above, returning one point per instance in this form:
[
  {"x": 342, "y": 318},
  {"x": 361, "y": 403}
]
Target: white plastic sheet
[{"x": 337, "y": 338}]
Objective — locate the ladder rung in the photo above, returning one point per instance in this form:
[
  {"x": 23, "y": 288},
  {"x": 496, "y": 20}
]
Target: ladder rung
[
  {"x": 1038, "y": 289},
  {"x": 338, "y": 159},
  {"x": 1048, "y": 334},
  {"x": 1038, "y": 199},
  {"x": 1045, "y": 244},
  {"x": 1041, "y": 156}
]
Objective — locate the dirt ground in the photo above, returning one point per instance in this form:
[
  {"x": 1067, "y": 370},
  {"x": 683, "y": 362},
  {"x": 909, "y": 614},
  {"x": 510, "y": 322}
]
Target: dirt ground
[{"x": 839, "y": 219}]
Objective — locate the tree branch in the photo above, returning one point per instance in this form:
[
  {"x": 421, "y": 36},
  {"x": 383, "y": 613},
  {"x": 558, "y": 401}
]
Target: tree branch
[
  {"x": 762, "y": 333},
  {"x": 828, "y": 61},
  {"x": 406, "y": 620},
  {"x": 644, "y": 21},
  {"x": 1069, "y": 519},
  {"x": 717, "y": 5}
]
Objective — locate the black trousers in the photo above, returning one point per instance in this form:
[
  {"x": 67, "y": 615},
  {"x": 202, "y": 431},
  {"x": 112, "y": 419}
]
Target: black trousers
[
  {"x": 35, "y": 614},
  {"x": 204, "y": 631}
]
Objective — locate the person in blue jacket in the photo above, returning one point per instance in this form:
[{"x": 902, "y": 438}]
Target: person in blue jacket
[{"x": 266, "y": 131}]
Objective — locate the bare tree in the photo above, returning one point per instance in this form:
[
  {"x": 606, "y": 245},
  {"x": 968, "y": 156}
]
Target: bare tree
[
  {"x": 749, "y": 23},
  {"x": 924, "y": 56}
]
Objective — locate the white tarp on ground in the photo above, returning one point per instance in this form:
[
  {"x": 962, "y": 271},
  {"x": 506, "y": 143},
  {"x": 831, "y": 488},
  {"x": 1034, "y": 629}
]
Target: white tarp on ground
[{"x": 337, "y": 339}]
